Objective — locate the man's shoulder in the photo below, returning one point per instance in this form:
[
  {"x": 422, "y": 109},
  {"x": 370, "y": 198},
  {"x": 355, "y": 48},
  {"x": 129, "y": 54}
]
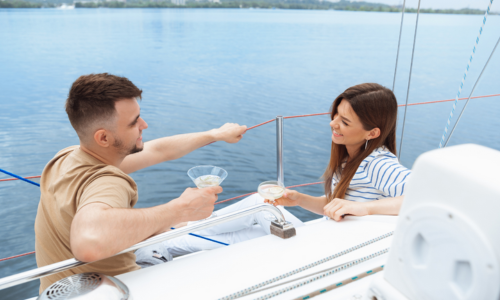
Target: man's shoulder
[
  {"x": 66, "y": 150},
  {"x": 111, "y": 174}
]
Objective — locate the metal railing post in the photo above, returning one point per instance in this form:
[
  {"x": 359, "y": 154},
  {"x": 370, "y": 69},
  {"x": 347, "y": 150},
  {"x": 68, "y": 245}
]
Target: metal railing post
[{"x": 279, "y": 148}]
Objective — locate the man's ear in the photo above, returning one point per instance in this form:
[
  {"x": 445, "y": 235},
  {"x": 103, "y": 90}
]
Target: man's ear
[
  {"x": 103, "y": 138},
  {"x": 374, "y": 133}
]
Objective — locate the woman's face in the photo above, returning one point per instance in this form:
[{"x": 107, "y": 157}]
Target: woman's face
[{"x": 347, "y": 129}]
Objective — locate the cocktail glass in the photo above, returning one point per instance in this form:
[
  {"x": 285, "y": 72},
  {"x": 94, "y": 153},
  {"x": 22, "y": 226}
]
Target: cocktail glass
[
  {"x": 271, "y": 190},
  {"x": 205, "y": 176}
]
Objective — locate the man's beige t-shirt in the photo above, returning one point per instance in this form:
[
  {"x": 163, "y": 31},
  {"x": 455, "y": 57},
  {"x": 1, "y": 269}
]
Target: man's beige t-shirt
[{"x": 71, "y": 180}]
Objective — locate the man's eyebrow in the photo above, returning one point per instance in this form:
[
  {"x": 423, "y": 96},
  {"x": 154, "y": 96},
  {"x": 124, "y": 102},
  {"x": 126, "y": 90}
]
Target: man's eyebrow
[{"x": 135, "y": 120}]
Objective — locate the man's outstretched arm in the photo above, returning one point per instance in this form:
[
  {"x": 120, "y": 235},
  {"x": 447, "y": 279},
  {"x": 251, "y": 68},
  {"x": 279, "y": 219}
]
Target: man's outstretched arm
[
  {"x": 174, "y": 147},
  {"x": 99, "y": 231}
]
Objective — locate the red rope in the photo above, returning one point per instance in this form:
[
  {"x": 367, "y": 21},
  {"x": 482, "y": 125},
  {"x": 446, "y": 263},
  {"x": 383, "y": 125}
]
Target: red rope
[
  {"x": 448, "y": 100},
  {"x": 29, "y": 177},
  {"x": 293, "y": 186},
  {"x": 16, "y": 256},
  {"x": 311, "y": 115}
]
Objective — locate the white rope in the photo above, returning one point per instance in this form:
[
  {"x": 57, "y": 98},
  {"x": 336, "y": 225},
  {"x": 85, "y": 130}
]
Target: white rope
[
  {"x": 323, "y": 275},
  {"x": 465, "y": 76},
  {"x": 472, "y": 92},
  {"x": 247, "y": 291}
]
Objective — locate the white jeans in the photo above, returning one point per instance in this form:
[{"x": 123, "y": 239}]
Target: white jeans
[{"x": 231, "y": 232}]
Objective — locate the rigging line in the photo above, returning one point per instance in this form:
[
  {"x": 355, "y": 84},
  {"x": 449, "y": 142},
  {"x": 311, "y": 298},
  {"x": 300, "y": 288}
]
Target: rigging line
[
  {"x": 19, "y": 177},
  {"x": 472, "y": 92},
  {"x": 16, "y": 256},
  {"x": 409, "y": 82},
  {"x": 399, "y": 44},
  {"x": 29, "y": 177},
  {"x": 463, "y": 78},
  {"x": 318, "y": 114}
]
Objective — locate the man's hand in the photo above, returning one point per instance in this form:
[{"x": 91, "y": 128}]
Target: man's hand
[
  {"x": 337, "y": 208},
  {"x": 197, "y": 204},
  {"x": 229, "y": 133},
  {"x": 289, "y": 198}
]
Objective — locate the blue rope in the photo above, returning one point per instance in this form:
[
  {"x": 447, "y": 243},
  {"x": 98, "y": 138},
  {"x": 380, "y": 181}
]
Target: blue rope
[
  {"x": 205, "y": 238},
  {"x": 32, "y": 182},
  {"x": 19, "y": 177},
  {"x": 463, "y": 78}
]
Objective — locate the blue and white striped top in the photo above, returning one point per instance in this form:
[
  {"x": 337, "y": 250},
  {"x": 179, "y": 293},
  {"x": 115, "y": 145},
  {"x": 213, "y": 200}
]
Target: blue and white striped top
[{"x": 378, "y": 176}]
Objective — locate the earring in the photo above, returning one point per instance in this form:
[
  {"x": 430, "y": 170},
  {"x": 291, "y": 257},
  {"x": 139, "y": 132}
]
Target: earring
[{"x": 366, "y": 144}]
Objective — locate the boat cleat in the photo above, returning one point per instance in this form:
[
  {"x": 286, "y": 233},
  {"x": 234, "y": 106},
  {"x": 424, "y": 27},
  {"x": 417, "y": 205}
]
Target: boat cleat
[{"x": 283, "y": 230}]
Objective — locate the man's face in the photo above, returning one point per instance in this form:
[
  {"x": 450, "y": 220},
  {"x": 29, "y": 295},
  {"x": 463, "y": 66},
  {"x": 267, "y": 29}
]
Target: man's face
[{"x": 129, "y": 127}]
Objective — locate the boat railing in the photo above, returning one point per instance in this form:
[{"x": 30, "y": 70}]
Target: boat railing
[{"x": 199, "y": 225}]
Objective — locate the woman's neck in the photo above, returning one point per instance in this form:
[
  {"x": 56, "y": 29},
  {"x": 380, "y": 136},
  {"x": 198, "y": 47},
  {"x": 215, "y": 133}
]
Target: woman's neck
[{"x": 352, "y": 151}]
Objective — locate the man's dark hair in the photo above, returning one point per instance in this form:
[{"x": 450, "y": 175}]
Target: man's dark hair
[{"x": 92, "y": 98}]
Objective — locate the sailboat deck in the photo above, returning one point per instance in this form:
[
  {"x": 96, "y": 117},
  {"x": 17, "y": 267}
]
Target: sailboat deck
[{"x": 218, "y": 273}]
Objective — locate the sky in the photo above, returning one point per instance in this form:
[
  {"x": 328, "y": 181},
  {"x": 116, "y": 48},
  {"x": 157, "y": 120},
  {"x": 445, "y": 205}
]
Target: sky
[{"x": 440, "y": 4}]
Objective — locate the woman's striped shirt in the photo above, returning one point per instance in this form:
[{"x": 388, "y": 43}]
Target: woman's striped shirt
[{"x": 380, "y": 175}]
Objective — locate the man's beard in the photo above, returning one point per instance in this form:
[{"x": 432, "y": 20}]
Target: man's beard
[{"x": 126, "y": 151}]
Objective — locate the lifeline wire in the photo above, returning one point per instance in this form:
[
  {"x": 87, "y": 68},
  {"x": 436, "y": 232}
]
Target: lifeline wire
[
  {"x": 310, "y": 115},
  {"x": 472, "y": 92},
  {"x": 399, "y": 44},
  {"x": 409, "y": 82},
  {"x": 465, "y": 75}
]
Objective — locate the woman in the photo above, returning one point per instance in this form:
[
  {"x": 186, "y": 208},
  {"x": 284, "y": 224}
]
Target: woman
[
  {"x": 363, "y": 164},
  {"x": 363, "y": 168}
]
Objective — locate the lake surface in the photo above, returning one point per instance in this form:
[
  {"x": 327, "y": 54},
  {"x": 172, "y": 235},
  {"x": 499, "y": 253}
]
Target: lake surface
[{"x": 200, "y": 68}]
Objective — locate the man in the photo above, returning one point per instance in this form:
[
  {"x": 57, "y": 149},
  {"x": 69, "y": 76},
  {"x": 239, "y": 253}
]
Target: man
[{"x": 87, "y": 198}]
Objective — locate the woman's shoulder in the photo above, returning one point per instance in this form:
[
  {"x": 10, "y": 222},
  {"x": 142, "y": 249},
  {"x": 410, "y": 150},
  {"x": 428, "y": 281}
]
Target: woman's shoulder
[
  {"x": 381, "y": 153},
  {"x": 379, "y": 158}
]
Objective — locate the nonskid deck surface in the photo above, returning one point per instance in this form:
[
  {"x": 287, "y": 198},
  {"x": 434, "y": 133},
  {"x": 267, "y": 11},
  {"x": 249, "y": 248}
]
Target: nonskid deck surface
[{"x": 218, "y": 273}]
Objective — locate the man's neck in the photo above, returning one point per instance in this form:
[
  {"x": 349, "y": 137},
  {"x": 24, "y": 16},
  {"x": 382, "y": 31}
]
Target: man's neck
[{"x": 108, "y": 158}]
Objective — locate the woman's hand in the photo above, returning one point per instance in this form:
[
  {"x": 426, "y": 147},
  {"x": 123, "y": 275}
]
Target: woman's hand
[
  {"x": 289, "y": 198},
  {"x": 337, "y": 208}
]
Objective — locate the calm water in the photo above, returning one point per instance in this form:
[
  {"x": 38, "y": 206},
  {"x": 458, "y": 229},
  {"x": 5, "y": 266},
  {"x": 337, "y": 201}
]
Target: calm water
[{"x": 201, "y": 68}]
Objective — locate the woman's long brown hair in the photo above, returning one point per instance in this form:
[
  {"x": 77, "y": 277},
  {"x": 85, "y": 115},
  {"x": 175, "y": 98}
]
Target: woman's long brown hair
[{"x": 376, "y": 107}]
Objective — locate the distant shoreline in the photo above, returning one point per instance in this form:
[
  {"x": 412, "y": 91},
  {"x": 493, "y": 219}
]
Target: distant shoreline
[{"x": 309, "y": 5}]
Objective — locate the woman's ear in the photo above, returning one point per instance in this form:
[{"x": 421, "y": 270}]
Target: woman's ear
[{"x": 374, "y": 133}]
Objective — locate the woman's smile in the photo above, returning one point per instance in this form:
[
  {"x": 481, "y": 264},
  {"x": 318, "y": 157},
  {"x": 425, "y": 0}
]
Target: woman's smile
[{"x": 336, "y": 134}]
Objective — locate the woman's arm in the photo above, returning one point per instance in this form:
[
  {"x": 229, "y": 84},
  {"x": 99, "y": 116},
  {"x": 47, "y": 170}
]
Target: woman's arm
[
  {"x": 387, "y": 206},
  {"x": 337, "y": 208},
  {"x": 294, "y": 198}
]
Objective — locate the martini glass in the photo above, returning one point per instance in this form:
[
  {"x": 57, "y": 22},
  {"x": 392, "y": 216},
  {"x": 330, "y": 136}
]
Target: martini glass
[
  {"x": 207, "y": 176},
  {"x": 271, "y": 190}
]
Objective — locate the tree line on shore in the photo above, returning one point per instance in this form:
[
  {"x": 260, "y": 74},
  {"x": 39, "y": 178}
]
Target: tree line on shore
[{"x": 267, "y": 4}]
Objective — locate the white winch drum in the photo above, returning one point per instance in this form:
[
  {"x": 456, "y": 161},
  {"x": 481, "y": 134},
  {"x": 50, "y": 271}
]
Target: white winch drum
[{"x": 83, "y": 286}]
